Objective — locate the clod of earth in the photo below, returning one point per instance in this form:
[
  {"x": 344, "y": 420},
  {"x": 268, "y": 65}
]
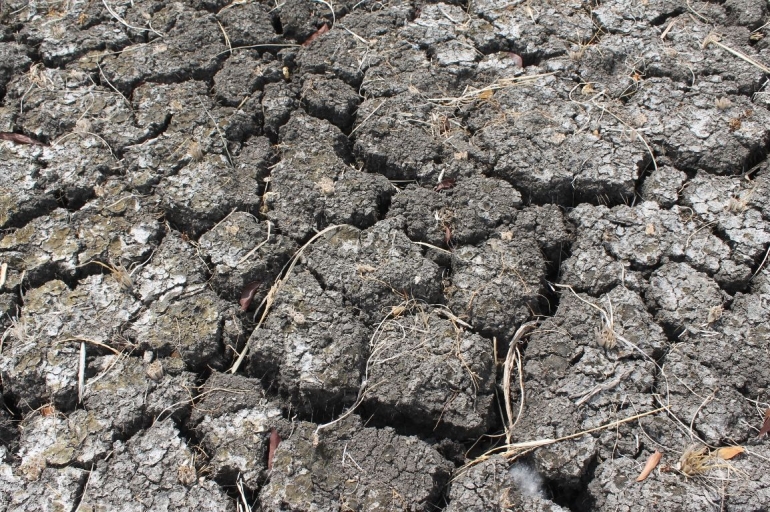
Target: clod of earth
[{"x": 504, "y": 255}]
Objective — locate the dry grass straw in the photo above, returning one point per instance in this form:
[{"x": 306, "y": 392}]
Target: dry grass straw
[
  {"x": 512, "y": 451},
  {"x": 514, "y": 359},
  {"x": 713, "y": 38},
  {"x": 124, "y": 23},
  {"x": 269, "y": 299},
  {"x": 471, "y": 94}
]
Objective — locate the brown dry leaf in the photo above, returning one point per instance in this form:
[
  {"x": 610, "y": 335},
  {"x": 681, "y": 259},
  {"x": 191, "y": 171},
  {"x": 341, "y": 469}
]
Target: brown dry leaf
[
  {"x": 728, "y": 452},
  {"x": 485, "y": 95},
  {"x": 275, "y": 440},
  {"x": 765, "y": 425},
  {"x": 321, "y": 31},
  {"x": 18, "y": 138},
  {"x": 652, "y": 461},
  {"x": 247, "y": 294}
]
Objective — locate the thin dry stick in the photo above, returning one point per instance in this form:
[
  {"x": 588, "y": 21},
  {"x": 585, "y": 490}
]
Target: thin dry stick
[
  {"x": 512, "y": 451},
  {"x": 714, "y": 39},
  {"x": 4, "y": 273},
  {"x": 123, "y": 22},
  {"x": 759, "y": 268},
  {"x": 267, "y": 302},
  {"x": 471, "y": 93},
  {"x": 82, "y": 372},
  {"x": 514, "y": 356},
  {"x": 92, "y": 342},
  {"x": 254, "y": 250},
  {"x": 366, "y": 119},
  {"x": 227, "y": 39},
  {"x": 221, "y": 135}
]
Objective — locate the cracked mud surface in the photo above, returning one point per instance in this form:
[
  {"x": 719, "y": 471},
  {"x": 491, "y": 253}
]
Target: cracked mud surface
[{"x": 395, "y": 255}]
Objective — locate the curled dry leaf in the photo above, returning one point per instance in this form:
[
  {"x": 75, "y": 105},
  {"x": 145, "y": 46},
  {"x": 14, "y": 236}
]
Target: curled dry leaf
[
  {"x": 652, "y": 461},
  {"x": 728, "y": 452},
  {"x": 321, "y": 31},
  {"x": 446, "y": 184},
  {"x": 18, "y": 138},
  {"x": 275, "y": 440},
  {"x": 247, "y": 294},
  {"x": 765, "y": 425}
]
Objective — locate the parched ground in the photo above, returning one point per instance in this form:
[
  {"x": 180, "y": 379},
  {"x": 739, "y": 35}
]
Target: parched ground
[{"x": 370, "y": 256}]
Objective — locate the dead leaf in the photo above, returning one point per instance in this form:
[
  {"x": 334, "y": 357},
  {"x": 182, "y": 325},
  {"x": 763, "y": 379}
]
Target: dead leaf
[
  {"x": 324, "y": 29},
  {"x": 18, "y": 138},
  {"x": 247, "y": 294},
  {"x": 446, "y": 184},
  {"x": 652, "y": 461},
  {"x": 728, "y": 452},
  {"x": 485, "y": 95},
  {"x": 275, "y": 440},
  {"x": 765, "y": 425}
]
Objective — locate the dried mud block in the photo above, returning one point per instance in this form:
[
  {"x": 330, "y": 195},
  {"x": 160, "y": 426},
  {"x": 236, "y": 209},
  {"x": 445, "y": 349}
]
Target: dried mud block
[
  {"x": 426, "y": 372},
  {"x": 390, "y": 141},
  {"x": 497, "y": 285},
  {"x": 301, "y": 18},
  {"x": 21, "y": 196},
  {"x": 9, "y": 431},
  {"x": 14, "y": 59},
  {"x": 154, "y": 470},
  {"x": 352, "y": 467},
  {"x": 123, "y": 395},
  {"x": 663, "y": 186},
  {"x": 312, "y": 346},
  {"x": 279, "y": 100},
  {"x": 185, "y": 125},
  {"x": 173, "y": 270},
  {"x": 188, "y": 327},
  {"x": 392, "y": 74},
  {"x": 243, "y": 75},
  {"x": 37, "y": 178},
  {"x": 192, "y": 47},
  {"x": 330, "y": 99},
  {"x": 614, "y": 487},
  {"x": 471, "y": 210},
  {"x": 65, "y": 105},
  {"x": 719, "y": 413},
  {"x": 550, "y": 228},
  {"x": 375, "y": 269},
  {"x": 313, "y": 186},
  {"x": 735, "y": 207},
  {"x": 621, "y": 61},
  {"x": 733, "y": 344},
  {"x": 42, "y": 490},
  {"x": 204, "y": 192},
  {"x": 496, "y": 484},
  {"x": 686, "y": 300},
  {"x": 535, "y": 32},
  {"x": 66, "y": 39},
  {"x": 41, "y": 363},
  {"x": 248, "y": 25},
  {"x": 578, "y": 369},
  {"x": 694, "y": 132},
  {"x": 243, "y": 250},
  {"x": 234, "y": 423},
  {"x": 642, "y": 237},
  {"x": 556, "y": 150},
  {"x": 128, "y": 393},
  {"x": 626, "y": 17},
  {"x": 118, "y": 228}
]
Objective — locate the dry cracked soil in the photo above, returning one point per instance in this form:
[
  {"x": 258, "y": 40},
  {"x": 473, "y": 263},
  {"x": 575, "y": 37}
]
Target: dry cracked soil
[{"x": 360, "y": 255}]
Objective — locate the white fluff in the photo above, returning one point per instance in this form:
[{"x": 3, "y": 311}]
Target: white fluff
[{"x": 529, "y": 481}]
